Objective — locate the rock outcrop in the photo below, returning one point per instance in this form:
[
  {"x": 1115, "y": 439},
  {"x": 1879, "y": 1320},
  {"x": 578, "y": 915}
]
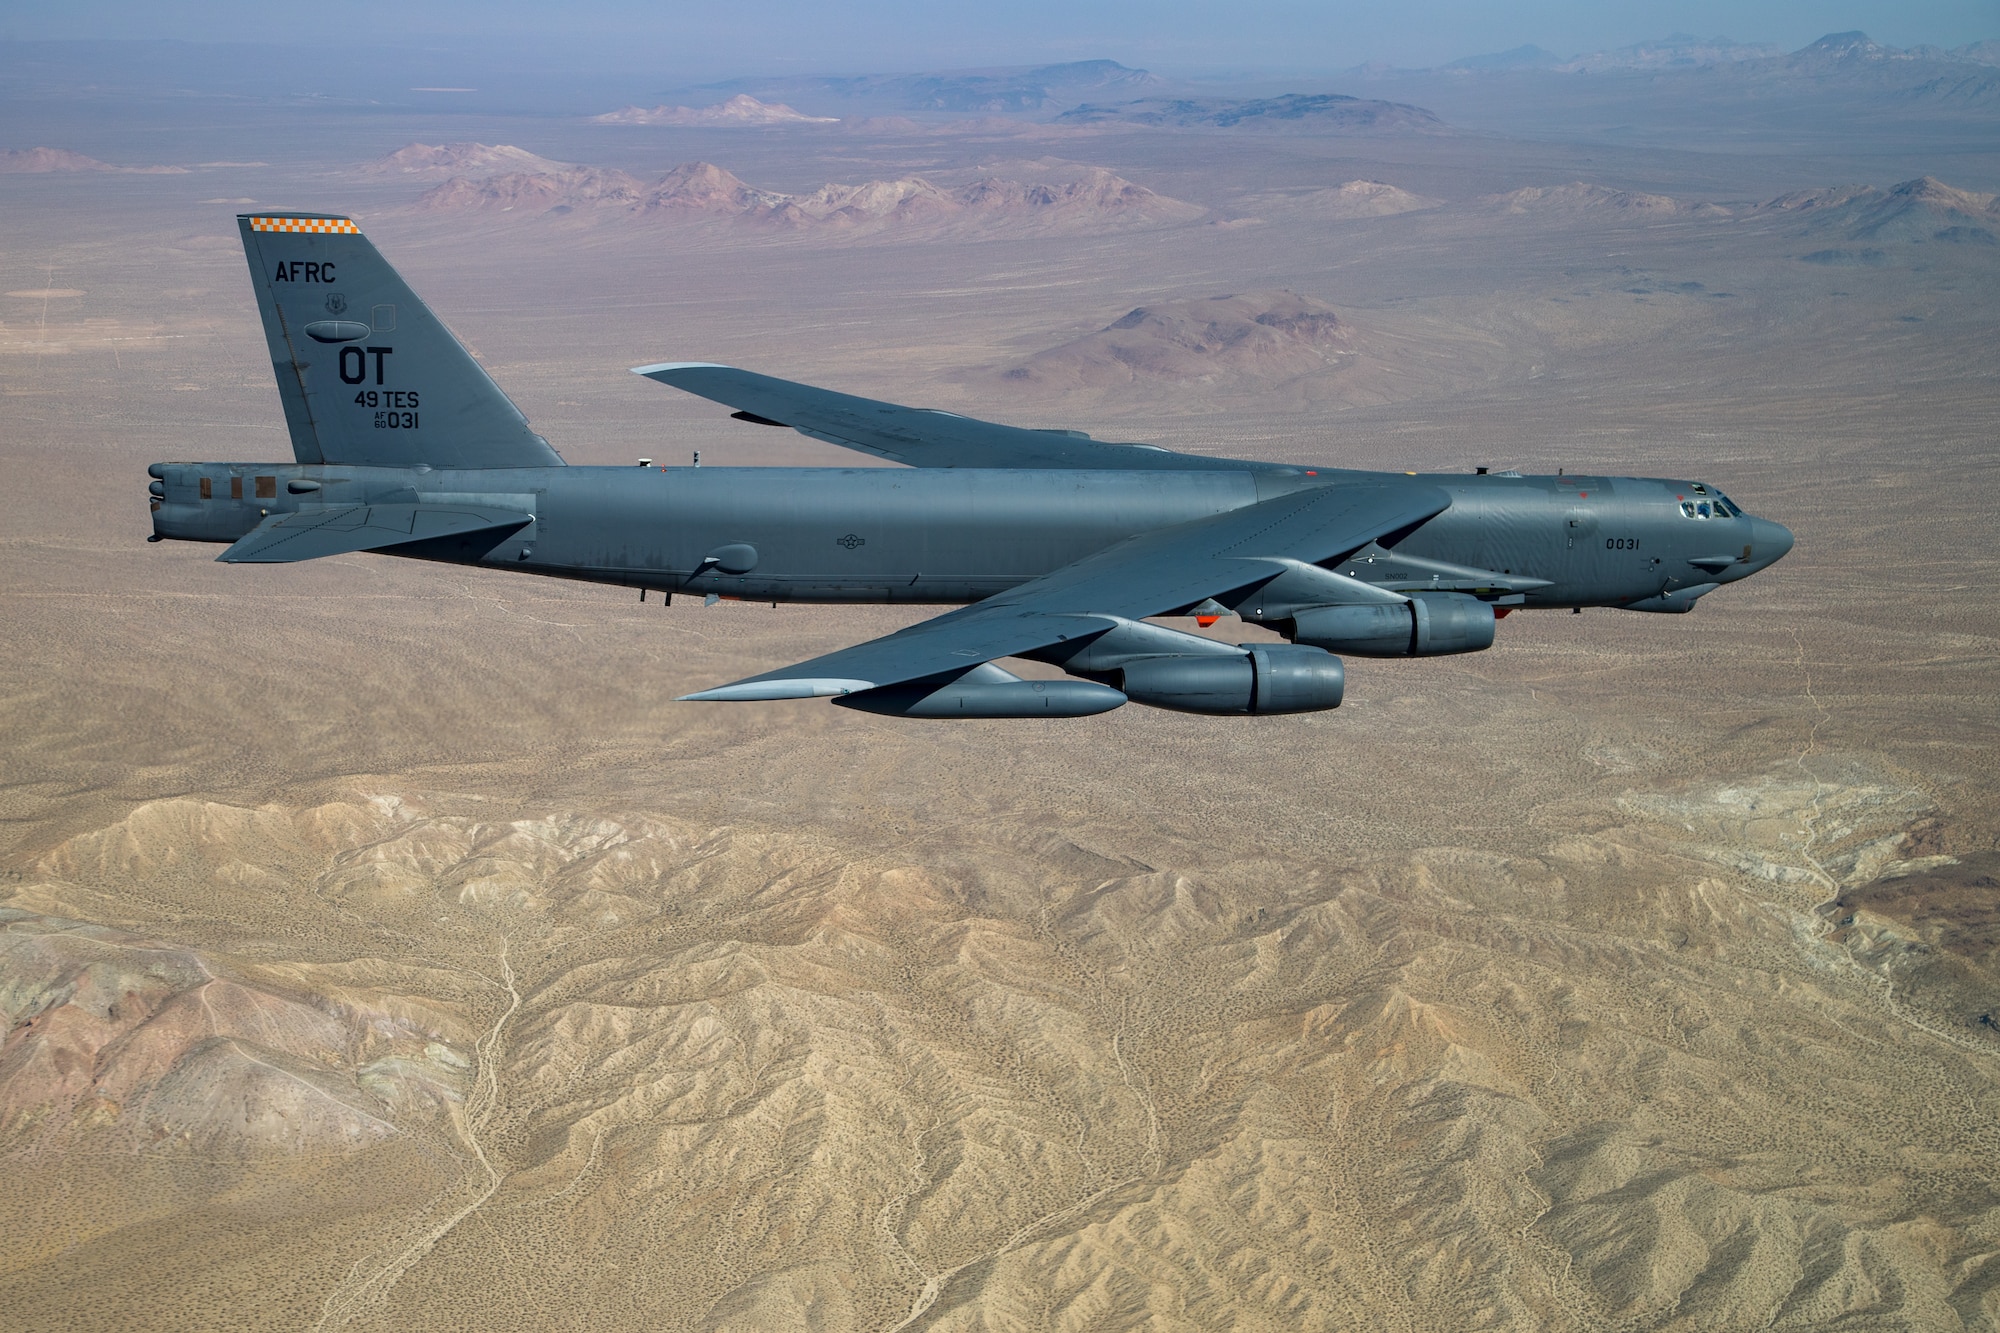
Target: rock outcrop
[
  {"x": 1086, "y": 198},
  {"x": 1583, "y": 198},
  {"x": 1346, "y": 201},
  {"x": 138, "y": 1040},
  {"x": 62, "y": 159},
  {"x": 1257, "y": 336},
  {"x": 1318, "y": 113},
  {"x": 433, "y": 161},
  {"x": 1914, "y": 212},
  {"x": 740, "y": 110}
]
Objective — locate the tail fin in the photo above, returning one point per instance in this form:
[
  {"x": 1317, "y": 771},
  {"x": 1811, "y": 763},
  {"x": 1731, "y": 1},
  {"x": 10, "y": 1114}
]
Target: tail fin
[{"x": 368, "y": 375}]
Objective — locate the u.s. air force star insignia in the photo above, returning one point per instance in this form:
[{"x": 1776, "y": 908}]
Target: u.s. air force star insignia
[
  {"x": 850, "y": 541},
  {"x": 336, "y": 304}
]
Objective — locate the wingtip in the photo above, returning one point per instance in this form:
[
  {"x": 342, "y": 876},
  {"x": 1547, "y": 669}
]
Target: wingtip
[{"x": 659, "y": 366}]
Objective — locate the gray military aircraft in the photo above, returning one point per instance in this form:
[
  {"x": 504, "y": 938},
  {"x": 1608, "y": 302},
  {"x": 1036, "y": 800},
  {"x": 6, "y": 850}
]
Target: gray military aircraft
[{"x": 1058, "y": 548}]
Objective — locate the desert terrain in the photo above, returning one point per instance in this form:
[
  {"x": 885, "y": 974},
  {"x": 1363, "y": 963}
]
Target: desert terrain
[{"x": 382, "y": 947}]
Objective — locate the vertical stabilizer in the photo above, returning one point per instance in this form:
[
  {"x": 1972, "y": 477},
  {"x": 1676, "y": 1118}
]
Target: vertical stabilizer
[{"x": 367, "y": 374}]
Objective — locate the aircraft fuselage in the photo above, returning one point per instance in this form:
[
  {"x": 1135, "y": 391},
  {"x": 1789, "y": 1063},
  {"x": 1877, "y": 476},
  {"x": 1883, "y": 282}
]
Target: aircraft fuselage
[{"x": 944, "y": 536}]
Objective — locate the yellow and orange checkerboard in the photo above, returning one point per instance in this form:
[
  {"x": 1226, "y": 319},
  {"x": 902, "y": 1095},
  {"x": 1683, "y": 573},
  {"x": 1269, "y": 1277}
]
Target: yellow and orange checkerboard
[{"x": 337, "y": 225}]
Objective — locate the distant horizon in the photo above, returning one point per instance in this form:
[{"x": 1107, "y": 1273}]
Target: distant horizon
[{"x": 1188, "y": 39}]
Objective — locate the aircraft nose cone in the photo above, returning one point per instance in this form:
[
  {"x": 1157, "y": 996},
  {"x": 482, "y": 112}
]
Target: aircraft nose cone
[{"x": 1769, "y": 542}]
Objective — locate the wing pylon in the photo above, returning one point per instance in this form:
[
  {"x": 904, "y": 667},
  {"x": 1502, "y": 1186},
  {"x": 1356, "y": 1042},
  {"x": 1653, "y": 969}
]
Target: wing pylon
[{"x": 1155, "y": 573}]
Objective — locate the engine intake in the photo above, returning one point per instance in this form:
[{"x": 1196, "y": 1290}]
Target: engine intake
[
  {"x": 1428, "y": 625},
  {"x": 1276, "y": 678}
]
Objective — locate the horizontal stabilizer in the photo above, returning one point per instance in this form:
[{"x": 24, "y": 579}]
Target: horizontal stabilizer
[{"x": 312, "y": 533}]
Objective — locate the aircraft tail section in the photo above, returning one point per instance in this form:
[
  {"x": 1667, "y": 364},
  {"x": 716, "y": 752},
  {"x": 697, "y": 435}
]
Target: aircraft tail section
[{"x": 367, "y": 374}]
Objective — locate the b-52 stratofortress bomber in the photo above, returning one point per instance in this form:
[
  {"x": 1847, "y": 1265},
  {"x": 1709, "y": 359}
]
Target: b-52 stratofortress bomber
[{"x": 1055, "y": 547}]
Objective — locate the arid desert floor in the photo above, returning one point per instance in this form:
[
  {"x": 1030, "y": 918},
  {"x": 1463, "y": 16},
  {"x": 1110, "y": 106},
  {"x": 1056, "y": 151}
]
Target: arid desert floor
[{"x": 382, "y": 947}]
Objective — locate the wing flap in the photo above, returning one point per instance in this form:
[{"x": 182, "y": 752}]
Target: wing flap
[
  {"x": 918, "y": 436},
  {"x": 309, "y": 534},
  {"x": 1154, "y": 573}
]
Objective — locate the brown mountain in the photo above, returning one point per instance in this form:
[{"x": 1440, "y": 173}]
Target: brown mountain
[
  {"x": 681, "y": 1054},
  {"x": 454, "y": 159},
  {"x": 62, "y": 159},
  {"x": 1265, "y": 335},
  {"x": 1089, "y": 197},
  {"x": 1346, "y": 201},
  {"x": 535, "y": 191},
  {"x": 703, "y": 187},
  {"x": 741, "y": 109},
  {"x": 1585, "y": 198},
  {"x": 1914, "y": 212},
  {"x": 121, "y": 1037},
  {"x": 1317, "y": 113}
]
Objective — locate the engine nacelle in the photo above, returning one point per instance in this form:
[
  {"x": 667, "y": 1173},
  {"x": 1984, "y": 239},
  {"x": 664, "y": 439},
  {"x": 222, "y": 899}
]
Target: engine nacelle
[
  {"x": 1275, "y": 678},
  {"x": 1428, "y": 625}
]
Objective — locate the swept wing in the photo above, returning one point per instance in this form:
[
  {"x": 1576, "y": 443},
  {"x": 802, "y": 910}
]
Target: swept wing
[
  {"x": 1154, "y": 573},
  {"x": 919, "y": 436}
]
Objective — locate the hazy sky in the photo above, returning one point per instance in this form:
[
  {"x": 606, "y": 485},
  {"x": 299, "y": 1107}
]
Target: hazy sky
[{"x": 724, "y": 37}]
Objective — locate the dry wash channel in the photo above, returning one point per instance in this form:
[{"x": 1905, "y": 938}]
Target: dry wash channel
[{"x": 434, "y": 1062}]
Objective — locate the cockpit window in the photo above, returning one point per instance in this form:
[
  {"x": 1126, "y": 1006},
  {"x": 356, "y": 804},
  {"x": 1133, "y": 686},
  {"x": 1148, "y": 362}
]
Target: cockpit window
[{"x": 1716, "y": 507}]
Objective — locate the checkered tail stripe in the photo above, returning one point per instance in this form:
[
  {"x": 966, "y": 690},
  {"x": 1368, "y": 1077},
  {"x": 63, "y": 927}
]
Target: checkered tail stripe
[{"x": 340, "y": 226}]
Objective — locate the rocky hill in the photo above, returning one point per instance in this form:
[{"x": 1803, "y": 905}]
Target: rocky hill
[
  {"x": 1916, "y": 212},
  {"x": 994, "y": 91},
  {"x": 62, "y": 159},
  {"x": 121, "y": 1036},
  {"x": 1674, "y": 52},
  {"x": 535, "y": 192},
  {"x": 1346, "y": 201},
  {"x": 1855, "y": 63},
  {"x": 427, "y": 1041},
  {"x": 740, "y": 110},
  {"x": 1581, "y": 198},
  {"x": 1083, "y": 198},
  {"x": 1321, "y": 113},
  {"x": 475, "y": 159},
  {"x": 1258, "y": 336}
]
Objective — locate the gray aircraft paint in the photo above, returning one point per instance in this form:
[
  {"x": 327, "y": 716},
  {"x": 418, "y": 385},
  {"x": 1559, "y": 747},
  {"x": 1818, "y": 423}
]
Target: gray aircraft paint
[
  {"x": 458, "y": 476},
  {"x": 351, "y": 344},
  {"x": 952, "y": 536}
]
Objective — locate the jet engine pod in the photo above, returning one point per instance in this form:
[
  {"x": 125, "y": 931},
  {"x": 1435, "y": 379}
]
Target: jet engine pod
[
  {"x": 1277, "y": 678},
  {"x": 986, "y": 691},
  {"x": 1375, "y": 629},
  {"x": 1429, "y": 624}
]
